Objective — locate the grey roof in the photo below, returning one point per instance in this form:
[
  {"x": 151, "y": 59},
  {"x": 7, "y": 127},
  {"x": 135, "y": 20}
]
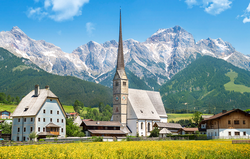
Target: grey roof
[
  {"x": 32, "y": 103},
  {"x": 146, "y": 104},
  {"x": 52, "y": 125},
  {"x": 102, "y": 123},
  {"x": 125, "y": 129},
  {"x": 168, "y": 125},
  {"x": 78, "y": 121},
  {"x": 165, "y": 131},
  {"x": 107, "y": 132},
  {"x": 156, "y": 100}
]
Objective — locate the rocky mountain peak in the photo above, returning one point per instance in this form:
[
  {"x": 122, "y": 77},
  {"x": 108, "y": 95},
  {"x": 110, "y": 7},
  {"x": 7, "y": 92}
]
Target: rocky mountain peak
[{"x": 17, "y": 30}]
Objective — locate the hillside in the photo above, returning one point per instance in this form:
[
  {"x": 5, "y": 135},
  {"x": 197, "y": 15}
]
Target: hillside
[
  {"x": 208, "y": 85},
  {"x": 19, "y": 76}
]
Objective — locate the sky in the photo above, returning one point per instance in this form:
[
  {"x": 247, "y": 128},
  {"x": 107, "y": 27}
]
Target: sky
[{"x": 72, "y": 23}]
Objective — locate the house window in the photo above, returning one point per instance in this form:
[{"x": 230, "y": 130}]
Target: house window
[
  {"x": 236, "y": 133},
  {"x": 58, "y": 120},
  {"x": 31, "y": 119},
  {"x": 18, "y": 129},
  {"x": 43, "y": 129},
  {"x": 51, "y": 111},
  {"x": 24, "y": 138},
  {"x": 44, "y": 111},
  {"x": 244, "y": 133},
  {"x": 215, "y": 134},
  {"x": 244, "y": 122},
  {"x": 116, "y": 84},
  {"x": 50, "y": 119},
  {"x": 148, "y": 127},
  {"x": 38, "y": 119},
  {"x": 31, "y": 129},
  {"x": 24, "y": 129},
  {"x": 62, "y": 120},
  {"x": 229, "y": 133},
  {"x": 57, "y": 112},
  {"x": 236, "y": 122},
  {"x": 24, "y": 119},
  {"x": 18, "y": 119},
  {"x": 38, "y": 129},
  {"x": 17, "y": 139},
  {"x": 141, "y": 125},
  {"x": 43, "y": 119},
  {"x": 229, "y": 121},
  {"x": 124, "y": 83},
  {"x": 51, "y": 100},
  {"x": 62, "y": 130}
]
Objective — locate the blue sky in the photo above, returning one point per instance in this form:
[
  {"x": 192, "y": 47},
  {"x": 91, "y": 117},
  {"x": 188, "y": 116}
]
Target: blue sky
[{"x": 71, "y": 23}]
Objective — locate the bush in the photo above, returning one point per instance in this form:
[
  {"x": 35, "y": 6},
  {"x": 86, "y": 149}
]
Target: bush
[
  {"x": 97, "y": 139},
  {"x": 155, "y": 132},
  {"x": 40, "y": 140}
]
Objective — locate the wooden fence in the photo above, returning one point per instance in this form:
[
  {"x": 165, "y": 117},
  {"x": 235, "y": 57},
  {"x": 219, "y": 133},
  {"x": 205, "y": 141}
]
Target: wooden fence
[{"x": 240, "y": 141}]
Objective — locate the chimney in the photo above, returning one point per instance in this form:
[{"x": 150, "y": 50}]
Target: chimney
[
  {"x": 36, "y": 90},
  {"x": 47, "y": 87},
  {"x": 224, "y": 111}
]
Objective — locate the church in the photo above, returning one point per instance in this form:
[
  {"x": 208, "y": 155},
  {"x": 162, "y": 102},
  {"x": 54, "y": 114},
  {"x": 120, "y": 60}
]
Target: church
[{"x": 137, "y": 110}]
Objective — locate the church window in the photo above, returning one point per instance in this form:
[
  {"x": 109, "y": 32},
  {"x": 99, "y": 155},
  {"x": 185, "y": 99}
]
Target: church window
[
  {"x": 116, "y": 109},
  {"x": 141, "y": 125},
  {"x": 124, "y": 83},
  {"x": 148, "y": 127},
  {"x": 116, "y": 83}
]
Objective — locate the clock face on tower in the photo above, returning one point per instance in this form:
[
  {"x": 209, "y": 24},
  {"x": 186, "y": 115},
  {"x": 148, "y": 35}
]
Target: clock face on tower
[
  {"x": 116, "y": 98},
  {"x": 123, "y": 97}
]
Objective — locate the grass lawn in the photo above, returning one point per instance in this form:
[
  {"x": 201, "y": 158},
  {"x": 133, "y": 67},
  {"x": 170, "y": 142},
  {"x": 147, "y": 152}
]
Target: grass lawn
[
  {"x": 9, "y": 108},
  {"x": 176, "y": 117},
  {"x": 230, "y": 86},
  {"x": 68, "y": 109}
]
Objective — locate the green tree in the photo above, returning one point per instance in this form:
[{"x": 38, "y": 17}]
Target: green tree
[
  {"x": 155, "y": 132},
  {"x": 197, "y": 117},
  {"x": 72, "y": 130},
  {"x": 17, "y": 100},
  {"x": 33, "y": 135},
  {"x": 6, "y": 128}
]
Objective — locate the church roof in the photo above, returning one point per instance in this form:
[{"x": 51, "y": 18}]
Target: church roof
[
  {"x": 120, "y": 58},
  {"x": 30, "y": 104},
  {"x": 145, "y": 104}
]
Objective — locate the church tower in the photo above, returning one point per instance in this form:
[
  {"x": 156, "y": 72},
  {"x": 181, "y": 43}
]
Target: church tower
[{"x": 120, "y": 85}]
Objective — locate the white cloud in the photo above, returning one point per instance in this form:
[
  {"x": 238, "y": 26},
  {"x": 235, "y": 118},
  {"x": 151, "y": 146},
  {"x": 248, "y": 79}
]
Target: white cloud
[
  {"x": 191, "y": 3},
  {"x": 246, "y": 15},
  {"x": 36, "y": 13},
  {"x": 213, "y": 7},
  {"x": 61, "y": 10},
  {"x": 90, "y": 27}
]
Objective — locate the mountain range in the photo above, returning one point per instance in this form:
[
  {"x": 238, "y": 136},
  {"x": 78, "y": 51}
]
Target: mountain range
[
  {"x": 19, "y": 76},
  {"x": 153, "y": 62},
  {"x": 209, "y": 85}
]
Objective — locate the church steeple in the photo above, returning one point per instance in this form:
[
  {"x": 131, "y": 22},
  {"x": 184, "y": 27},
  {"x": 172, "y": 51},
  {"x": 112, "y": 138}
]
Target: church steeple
[
  {"x": 120, "y": 58},
  {"x": 120, "y": 85}
]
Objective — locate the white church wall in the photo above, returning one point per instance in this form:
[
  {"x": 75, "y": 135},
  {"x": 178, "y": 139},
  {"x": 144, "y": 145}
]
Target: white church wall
[
  {"x": 164, "y": 119},
  {"x": 132, "y": 126}
]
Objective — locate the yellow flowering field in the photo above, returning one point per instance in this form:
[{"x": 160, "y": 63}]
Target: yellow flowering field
[{"x": 131, "y": 149}]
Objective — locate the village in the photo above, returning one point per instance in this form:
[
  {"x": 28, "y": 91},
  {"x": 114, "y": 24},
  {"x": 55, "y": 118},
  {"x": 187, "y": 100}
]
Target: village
[{"x": 136, "y": 113}]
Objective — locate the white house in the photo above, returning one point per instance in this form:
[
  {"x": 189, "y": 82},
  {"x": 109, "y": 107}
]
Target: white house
[{"x": 41, "y": 112}]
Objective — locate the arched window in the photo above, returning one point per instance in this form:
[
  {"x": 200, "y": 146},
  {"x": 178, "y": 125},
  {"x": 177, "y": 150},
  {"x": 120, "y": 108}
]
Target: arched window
[
  {"x": 148, "y": 127},
  {"x": 141, "y": 125}
]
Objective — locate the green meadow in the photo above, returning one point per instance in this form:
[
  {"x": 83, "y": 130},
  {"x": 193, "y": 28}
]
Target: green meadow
[{"x": 230, "y": 86}]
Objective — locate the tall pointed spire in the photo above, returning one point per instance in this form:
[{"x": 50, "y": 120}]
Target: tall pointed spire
[{"x": 120, "y": 58}]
